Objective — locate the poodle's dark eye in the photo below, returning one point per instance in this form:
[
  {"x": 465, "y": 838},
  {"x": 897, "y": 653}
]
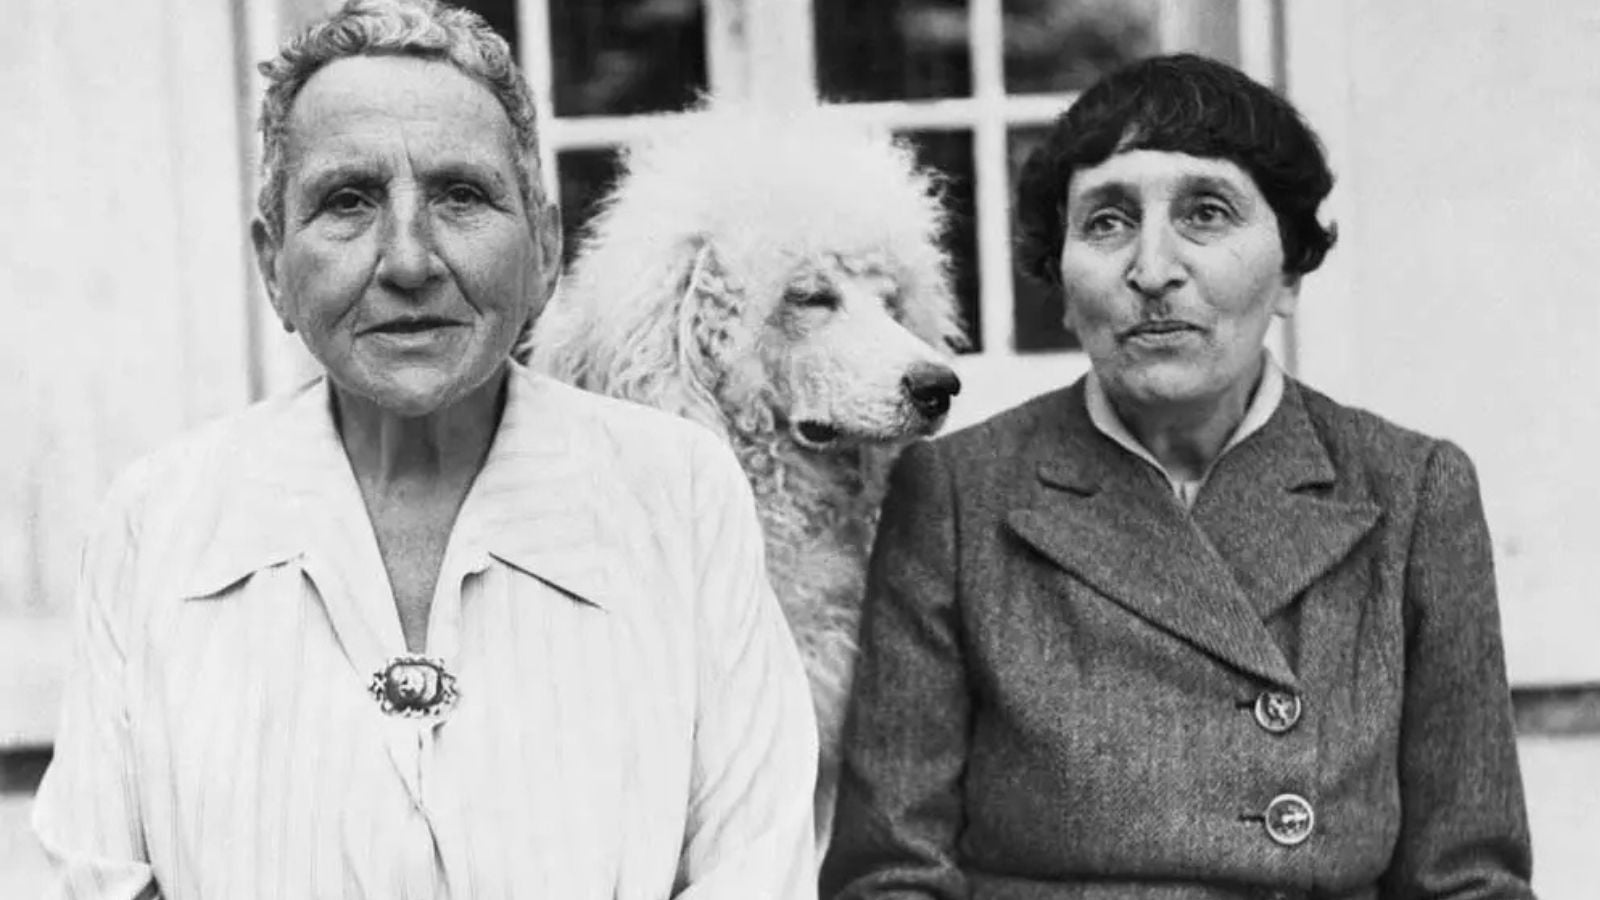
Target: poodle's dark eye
[{"x": 812, "y": 299}]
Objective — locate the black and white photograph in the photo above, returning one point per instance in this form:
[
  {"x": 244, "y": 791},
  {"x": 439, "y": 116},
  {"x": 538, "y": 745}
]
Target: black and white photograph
[{"x": 800, "y": 449}]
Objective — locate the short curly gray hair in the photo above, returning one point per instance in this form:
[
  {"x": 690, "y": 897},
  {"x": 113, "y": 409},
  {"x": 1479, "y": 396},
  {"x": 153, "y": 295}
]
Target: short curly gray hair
[{"x": 423, "y": 29}]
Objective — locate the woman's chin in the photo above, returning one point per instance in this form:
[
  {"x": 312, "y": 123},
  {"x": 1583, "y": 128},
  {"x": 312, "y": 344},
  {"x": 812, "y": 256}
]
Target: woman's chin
[
  {"x": 1161, "y": 383},
  {"x": 414, "y": 392}
]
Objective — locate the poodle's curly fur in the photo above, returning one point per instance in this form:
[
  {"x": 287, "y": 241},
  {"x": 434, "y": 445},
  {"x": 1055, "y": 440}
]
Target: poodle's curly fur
[{"x": 778, "y": 278}]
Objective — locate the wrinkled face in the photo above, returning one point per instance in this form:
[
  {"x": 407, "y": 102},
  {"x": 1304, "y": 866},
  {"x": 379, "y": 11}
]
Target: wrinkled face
[
  {"x": 843, "y": 366},
  {"x": 1172, "y": 268},
  {"x": 408, "y": 262}
]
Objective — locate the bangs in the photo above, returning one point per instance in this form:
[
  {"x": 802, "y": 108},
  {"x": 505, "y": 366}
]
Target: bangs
[{"x": 1176, "y": 112}]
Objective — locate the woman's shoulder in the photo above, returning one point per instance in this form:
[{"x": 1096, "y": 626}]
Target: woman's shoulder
[
  {"x": 987, "y": 461},
  {"x": 627, "y": 432},
  {"x": 639, "y": 450},
  {"x": 1360, "y": 441},
  {"x": 1008, "y": 431},
  {"x": 203, "y": 455}
]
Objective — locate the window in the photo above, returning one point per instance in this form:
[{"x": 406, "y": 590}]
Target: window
[{"x": 972, "y": 84}]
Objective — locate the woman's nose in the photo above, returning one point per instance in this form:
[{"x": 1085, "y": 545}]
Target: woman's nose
[
  {"x": 1155, "y": 268},
  {"x": 408, "y": 257}
]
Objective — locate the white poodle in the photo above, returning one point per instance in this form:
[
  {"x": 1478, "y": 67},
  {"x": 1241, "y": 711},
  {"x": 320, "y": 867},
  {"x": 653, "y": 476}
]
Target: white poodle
[{"x": 778, "y": 279}]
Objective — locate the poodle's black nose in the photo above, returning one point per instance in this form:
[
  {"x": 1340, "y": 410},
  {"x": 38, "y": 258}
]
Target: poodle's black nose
[{"x": 930, "y": 387}]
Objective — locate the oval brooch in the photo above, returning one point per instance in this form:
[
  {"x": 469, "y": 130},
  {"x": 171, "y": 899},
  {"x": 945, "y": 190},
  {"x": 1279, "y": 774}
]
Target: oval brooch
[{"x": 416, "y": 687}]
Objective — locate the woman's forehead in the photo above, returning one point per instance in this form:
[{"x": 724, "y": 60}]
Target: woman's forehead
[
  {"x": 373, "y": 111},
  {"x": 376, "y": 93},
  {"x": 1147, "y": 172}
]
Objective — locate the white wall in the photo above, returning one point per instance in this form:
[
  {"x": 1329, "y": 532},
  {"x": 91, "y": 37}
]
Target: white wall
[
  {"x": 1463, "y": 298},
  {"x": 121, "y": 273}
]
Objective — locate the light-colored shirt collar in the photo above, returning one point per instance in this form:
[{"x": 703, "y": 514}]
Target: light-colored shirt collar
[
  {"x": 287, "y": 490},
  {"x": 1269, "y": 393}
]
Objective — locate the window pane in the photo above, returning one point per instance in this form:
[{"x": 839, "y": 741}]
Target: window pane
[
  {"x": 950, "y": 153},
  {"x": 1207, "y": 27},
  {"x": 871, "y": 50},
  {"x": 619, "y": 57},
  {"x": 500, "y": 14},
  {"x": 585, "y": 176},
  {"x": 1064, "y": 45},
  {"x": 1038, "y": 306}
]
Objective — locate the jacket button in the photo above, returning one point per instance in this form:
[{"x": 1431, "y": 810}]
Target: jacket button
[
  {"x": 1277, "y": 711},
  {"x": 1289, "y": 819}
]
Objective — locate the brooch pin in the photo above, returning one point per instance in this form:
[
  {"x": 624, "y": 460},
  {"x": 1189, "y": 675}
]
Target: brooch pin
[{"x": 416, "y": 687}]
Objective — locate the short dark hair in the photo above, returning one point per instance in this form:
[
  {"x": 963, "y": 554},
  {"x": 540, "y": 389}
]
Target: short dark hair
[{"x": 1184, "y": 104}]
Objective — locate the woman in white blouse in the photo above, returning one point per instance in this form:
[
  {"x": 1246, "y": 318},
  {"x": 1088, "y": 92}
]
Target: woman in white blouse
[{"x": 432, "y": 626}]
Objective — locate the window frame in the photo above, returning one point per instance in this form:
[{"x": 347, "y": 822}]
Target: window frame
[{"x": 764, "y": 51}]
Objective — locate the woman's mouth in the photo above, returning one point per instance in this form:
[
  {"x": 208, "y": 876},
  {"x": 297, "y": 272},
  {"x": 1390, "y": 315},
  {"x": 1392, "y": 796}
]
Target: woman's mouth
[
  {"x": 411, "y": 325},
  {"x": 1161, "y": 332},
  {"x": 412, "y": 332}
]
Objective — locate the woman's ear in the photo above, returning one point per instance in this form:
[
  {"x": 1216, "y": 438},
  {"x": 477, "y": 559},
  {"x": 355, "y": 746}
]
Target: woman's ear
[
  {"x": 1287, "y": 299},
  {"x": 266, "y": 247},
  {"x": 545, "y": 223}
]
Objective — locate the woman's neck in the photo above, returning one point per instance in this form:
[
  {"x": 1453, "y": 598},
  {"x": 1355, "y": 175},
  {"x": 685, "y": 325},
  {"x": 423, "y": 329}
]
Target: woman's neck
[
  {"x": 442, "y": 449},
  {"x": 1186, "y": 438}
]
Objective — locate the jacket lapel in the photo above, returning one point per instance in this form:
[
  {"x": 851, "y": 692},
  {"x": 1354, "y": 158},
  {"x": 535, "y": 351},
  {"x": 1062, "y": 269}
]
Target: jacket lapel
[
  {"x": 1268, "y": 509},
  {"x": 1106, "y": 517}
]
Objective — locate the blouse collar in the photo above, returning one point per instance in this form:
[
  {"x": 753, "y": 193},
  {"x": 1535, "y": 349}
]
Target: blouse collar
[
  {"x": 283, "y": 489},
  {"x": 1268, "y": 394}
]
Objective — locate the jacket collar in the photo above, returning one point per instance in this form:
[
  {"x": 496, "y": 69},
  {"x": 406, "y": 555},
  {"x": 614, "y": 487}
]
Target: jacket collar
[
  {"x": 1264, "y": 526},
  {"x": 284, "y": 490},
  {"x": 1263, "y": 403}
]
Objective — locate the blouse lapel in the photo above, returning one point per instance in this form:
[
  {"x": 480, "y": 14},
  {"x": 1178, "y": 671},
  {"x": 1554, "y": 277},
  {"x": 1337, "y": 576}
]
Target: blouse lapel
[
  {"x": 538, "y": 504},
  {"x": 342, "y": 558},
  {"x": 285, "y": 492}
]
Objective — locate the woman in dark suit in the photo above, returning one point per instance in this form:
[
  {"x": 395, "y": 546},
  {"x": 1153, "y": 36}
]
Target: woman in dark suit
[{"x": 1186, "y": 628}]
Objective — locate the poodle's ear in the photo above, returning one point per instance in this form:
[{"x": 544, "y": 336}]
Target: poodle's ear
[{"x": 653, "y": 334}]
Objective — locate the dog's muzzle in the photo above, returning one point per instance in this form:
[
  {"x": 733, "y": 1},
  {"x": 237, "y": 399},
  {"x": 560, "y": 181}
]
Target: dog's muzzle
[{"x": 930, "y": 387}]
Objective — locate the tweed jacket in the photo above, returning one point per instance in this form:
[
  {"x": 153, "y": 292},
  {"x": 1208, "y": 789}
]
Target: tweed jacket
[{"x": 1065, "y": 675}]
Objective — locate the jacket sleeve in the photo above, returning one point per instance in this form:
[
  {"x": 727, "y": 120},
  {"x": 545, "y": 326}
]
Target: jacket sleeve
[
  {"x": 1464, "y": 830},
  {"x": 750, "y": 834},
  {"x": 87, "y": 814},
  {"x": 900, "y": 805}
]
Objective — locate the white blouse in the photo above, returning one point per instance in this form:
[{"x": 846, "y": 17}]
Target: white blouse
[{"x": 632, "y": 721}]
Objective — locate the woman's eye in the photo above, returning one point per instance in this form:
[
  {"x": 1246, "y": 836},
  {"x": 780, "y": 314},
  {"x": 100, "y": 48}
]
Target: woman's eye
[
  {"x": 345, "y": 202},
  {"x": 1103, "y": 224},
  {"x": 463, "y": 195},
  {"x": 1210, "y": 214}
]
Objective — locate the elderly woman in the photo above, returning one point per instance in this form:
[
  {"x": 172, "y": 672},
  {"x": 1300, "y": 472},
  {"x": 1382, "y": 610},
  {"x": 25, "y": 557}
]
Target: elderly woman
[
  {"x": 1186, "y": 628},
  {"x": 431, "y": 626}
]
